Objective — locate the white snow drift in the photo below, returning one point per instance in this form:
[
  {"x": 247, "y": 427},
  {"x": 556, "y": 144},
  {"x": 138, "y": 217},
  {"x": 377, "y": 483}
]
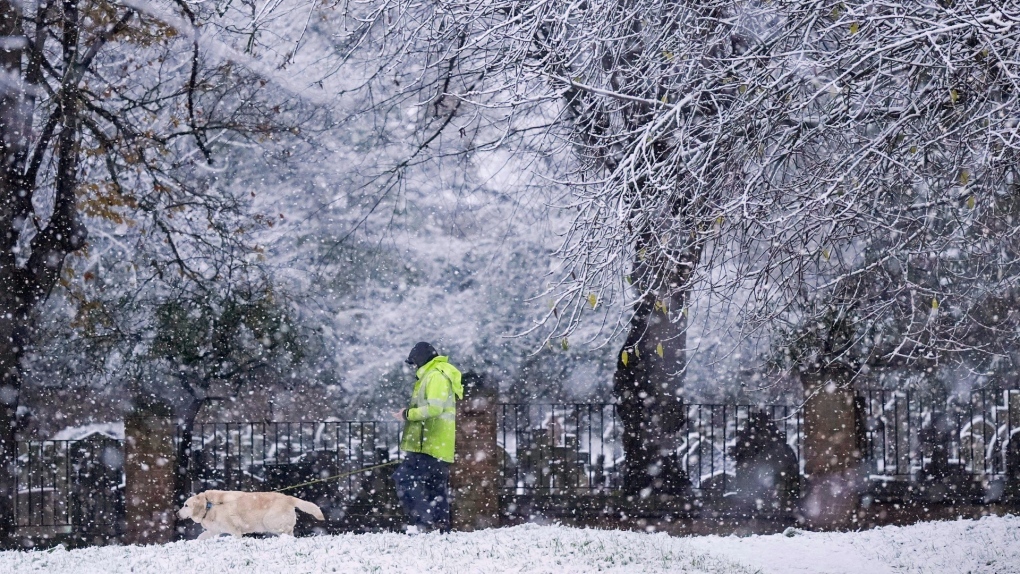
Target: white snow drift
[{"x": 989, "y": 545}]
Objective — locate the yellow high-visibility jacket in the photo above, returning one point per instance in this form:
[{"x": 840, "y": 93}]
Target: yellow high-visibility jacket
[{"x": 432, "y": 415}]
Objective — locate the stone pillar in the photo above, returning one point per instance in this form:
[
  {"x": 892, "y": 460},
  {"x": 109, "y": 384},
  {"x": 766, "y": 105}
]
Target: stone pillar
[
  {"x": 1012, "y": 486},
  {"x": 832, "y": 452},
  {"x": 474, "y": 476},
  {"x": 149, "y": 474}
]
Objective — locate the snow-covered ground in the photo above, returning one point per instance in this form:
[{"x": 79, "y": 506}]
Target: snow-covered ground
[{"x": 990, "y": 545}]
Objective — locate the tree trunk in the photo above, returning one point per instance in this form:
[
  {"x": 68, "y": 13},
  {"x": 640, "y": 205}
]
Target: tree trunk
[
  {"x": 14, "y": 206},
  {"x": 647, "y": 385},
  {"x": 24, "y": 284}
]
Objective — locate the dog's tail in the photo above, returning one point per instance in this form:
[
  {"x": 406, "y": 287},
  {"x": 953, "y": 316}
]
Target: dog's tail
[{"x": 308, "y": 508}]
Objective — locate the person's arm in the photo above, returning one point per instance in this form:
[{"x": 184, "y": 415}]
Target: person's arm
[{"x": 437, "y": 398}]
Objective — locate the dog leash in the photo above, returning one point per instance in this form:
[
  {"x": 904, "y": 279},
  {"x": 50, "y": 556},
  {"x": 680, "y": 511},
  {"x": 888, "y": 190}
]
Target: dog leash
[{"x": 339, "y": 476}]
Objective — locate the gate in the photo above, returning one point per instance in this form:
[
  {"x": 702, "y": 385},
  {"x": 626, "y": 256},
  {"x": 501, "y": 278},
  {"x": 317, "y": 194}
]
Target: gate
[{"x": 70, "y": 491}]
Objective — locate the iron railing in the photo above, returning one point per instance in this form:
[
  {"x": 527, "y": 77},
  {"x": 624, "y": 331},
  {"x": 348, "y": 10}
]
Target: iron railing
[
  {"x": 909, "y": 437},
  {"x": 556, "y": 448},
  {"x": 70, "y": 485},
  {"x": 914, "y": 435},
  {"x": 710, "y": 437},
  {"x": 298, "y": 456},
  {"x": 270, "y": 455}
]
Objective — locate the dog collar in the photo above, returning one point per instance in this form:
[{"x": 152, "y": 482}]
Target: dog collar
[{"x": 208, "y": 507}]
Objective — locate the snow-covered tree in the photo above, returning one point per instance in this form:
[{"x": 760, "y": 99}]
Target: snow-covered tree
[
  {"x": 116, "y": 119},
  {"x": 757, "y": 153}
]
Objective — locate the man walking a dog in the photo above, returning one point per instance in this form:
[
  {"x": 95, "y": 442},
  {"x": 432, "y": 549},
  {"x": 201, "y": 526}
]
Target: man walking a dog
[{"x": 423, "y": 477}]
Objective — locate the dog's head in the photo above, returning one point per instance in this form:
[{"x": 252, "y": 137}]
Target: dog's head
[{"x": 194, "y": 506}]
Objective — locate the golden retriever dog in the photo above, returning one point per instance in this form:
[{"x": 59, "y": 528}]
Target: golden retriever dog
[{"x": 239, "y": 513}]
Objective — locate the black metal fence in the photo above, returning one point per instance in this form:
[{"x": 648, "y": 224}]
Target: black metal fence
[
  {"x": 272, "y": 455},
  {"x": 913, "y": 435},
  {"x": 70, "y": 487},
  {"x": 558, "y": 448},
  {"x": 553, "y": 449},
  {"x": 66, "y": 487},
  {"x": 246, "y": 456},
  {"x": 908, "y": 437},
  {"x": 711, "y": 435}
]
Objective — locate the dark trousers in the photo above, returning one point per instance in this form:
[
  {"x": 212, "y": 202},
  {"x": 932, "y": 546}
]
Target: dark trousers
[{"x": 423, "y": 484}]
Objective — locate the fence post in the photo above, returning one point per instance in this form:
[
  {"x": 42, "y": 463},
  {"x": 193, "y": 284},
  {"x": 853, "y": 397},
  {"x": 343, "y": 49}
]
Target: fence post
[
  {"x": 1012, "y": 462},
  {"x": 832, "y": 451},
  {"x": 149, "y": 473},
  {"x": 475, "y": 473}
]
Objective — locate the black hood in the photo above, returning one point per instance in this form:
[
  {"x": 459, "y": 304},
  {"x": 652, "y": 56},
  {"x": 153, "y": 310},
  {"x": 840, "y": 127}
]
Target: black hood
[{"x": 421, "y": 354}]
